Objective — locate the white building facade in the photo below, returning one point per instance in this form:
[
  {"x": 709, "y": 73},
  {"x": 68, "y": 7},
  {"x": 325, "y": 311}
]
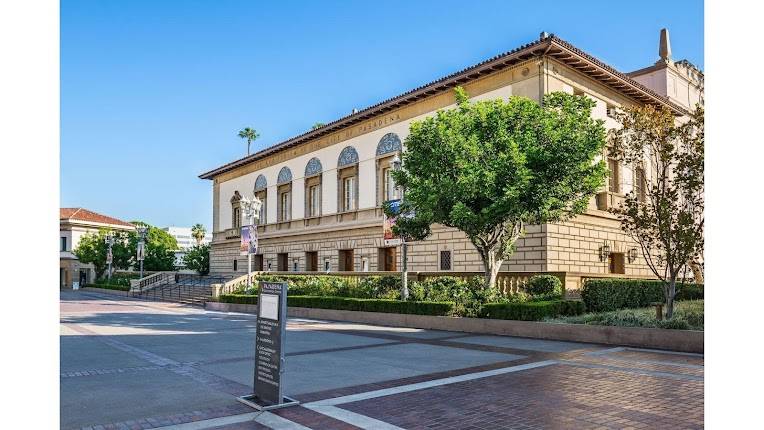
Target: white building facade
[{"x": 323, "y": 191}]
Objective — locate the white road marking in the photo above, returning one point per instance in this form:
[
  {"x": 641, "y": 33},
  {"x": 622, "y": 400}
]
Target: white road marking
[
  {"x": 427, "y": 384},
  {"x": 265, "y": 418},
  {"x": 353, "y": 418}
]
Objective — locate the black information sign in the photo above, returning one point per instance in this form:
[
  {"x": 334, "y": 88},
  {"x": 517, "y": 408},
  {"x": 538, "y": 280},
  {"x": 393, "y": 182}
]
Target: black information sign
[{"x": 271, "y": 330}]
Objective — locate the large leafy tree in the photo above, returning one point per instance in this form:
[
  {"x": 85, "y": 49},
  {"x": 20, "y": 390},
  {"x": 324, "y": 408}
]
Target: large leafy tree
[
  {"x": 159, "y": 252},
  {"x": 250, "y": 134},
  {"x": 92, "y": 248},
  {"x": 198, "y": 258},
  {"x": 490, "y": 167},
  {"x": 667, "y": 219},
  {"x": 198, "y": 231}
]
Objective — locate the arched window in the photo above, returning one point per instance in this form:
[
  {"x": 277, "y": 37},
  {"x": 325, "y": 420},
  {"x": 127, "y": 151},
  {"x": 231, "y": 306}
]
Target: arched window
[
  {"x": 387, "y": 148},
  {"x": 389, "y": 143},
  {"x": 261, "y": 192},
  {"x": 313, "y": 181},
  {"x": 284, "y": 193},
  {"x": 347, "y": 157},
  {"x": 347, "y": 180}
]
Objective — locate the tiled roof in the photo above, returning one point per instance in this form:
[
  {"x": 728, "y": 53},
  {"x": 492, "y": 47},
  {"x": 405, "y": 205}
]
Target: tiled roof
[
  {"x": 82, "y": 214},
  {"x": 549, "y": 45}
]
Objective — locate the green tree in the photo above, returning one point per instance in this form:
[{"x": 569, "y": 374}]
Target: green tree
[
  {"x": 666, "y": 219},
  {"x": 317, "y": 125},
  {"x": 92, "y": 248},
  {"x": 490, "y": 167},
  {"x": 198, "y": 231},
  {"x": 159, "y": 252},
  {"x": 250, "y": 134},
  {"x": 198, "y": 258}
]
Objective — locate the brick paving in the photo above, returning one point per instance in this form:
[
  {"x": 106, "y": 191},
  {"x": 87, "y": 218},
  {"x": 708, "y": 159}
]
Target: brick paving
[{"x": 558, "y": 396}]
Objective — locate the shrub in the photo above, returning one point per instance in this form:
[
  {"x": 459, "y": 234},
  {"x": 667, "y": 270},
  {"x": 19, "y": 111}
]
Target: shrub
[
  {"x": 244, "y": 299},
  {"x": 544, "y": 287},
  {"x": 689, "y": 292},
  {"x": 352, "y": 304},
  {"x": 111, "y": 286},
  {"x": 532, "y": 311},
  {"x": 602, "y": 295},
  {"x": 468, "y": 296},
  {"x": 114, "y": 281},
  {"x": 688, "y": 315},
  {"x": 372, "y": 287}
]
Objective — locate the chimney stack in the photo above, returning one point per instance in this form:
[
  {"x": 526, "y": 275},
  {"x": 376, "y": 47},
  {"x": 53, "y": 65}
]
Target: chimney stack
[{"x": 665, "y": 47}]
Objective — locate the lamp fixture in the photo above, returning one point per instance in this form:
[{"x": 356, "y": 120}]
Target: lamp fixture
[
  {"x": 633, "y": 254},
  {"x": 604, "y": 251}
]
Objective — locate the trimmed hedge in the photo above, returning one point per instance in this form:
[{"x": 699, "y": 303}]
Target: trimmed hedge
[
  {"x": 109, "y": 287},
  {"x": 603, "y": 295},
  {"x": 532, "y": 311},
  {"x": 244, "y": 299},
  {"x": 690, "y": 292},
  {"x": 353, "y": 304}
]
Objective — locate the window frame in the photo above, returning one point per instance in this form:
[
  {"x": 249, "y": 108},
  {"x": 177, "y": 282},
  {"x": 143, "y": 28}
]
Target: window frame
[
  {"x": 614, "y": 177},
  {"x": 284, "y": 214}
]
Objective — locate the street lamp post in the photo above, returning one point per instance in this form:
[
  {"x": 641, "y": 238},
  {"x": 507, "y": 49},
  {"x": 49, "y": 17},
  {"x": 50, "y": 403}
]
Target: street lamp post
[
  {"x": 404, "y": 246},
  {"x": 251, "y": 209},
  {"x": 109, "y": 256},
  {"x": 142, "y": 230}
]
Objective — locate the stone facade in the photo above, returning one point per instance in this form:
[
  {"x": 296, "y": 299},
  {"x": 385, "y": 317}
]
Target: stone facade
[{"x": 346, "y": 232}]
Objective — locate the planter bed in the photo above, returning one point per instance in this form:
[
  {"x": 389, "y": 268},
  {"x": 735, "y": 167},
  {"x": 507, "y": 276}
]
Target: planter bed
[{"x": 655, "y": 338}]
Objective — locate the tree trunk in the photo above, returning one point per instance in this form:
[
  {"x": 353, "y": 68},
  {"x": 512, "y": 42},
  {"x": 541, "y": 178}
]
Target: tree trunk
[
  {"x": 491, "y": 265},
  {"x": 671, "y": 293}
]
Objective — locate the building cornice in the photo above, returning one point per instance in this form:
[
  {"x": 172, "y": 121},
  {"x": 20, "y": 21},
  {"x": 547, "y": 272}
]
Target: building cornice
[{"x": 550, "y": 45}]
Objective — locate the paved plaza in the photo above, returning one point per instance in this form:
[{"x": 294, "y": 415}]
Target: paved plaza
[{"x": 130, "y": 364}]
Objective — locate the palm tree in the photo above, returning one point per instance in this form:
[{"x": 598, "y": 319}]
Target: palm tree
[
  {"x": 250, "y": 134},
  {"x": 198, "y": 231}
]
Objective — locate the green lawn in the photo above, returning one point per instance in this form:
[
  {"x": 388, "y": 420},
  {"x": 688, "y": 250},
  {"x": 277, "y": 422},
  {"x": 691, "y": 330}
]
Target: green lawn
[{"x": 688, "y": 315}]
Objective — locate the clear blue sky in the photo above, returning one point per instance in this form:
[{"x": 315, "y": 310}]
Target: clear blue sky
[{"x": 154, "y": 92}]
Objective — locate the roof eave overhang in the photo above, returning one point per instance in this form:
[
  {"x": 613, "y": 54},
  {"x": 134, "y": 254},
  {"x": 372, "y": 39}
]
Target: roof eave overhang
[{"x": 552, "y": 46}]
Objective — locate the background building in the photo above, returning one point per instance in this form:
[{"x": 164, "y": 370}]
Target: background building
[
  {"x": 74, "y": 223},
  {"x": 323, "y": 190},
  {"x": 185, "y": 239}
]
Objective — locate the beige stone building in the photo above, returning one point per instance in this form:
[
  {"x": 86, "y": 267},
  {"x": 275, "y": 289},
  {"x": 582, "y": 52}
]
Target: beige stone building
[
  {"x": 323, "y": 190},
  {"x": 74, "y": 223}
]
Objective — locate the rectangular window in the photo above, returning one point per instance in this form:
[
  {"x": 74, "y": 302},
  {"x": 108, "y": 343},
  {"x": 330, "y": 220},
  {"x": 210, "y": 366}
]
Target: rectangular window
[
  {"x": 639, "y": 184},
  {"x": 614, "y": 181},
  {"x": 390, "y": 191},
  {"x": 262, "y": 218},
  {"x": 286, "y": 201},
  {"x": 346, "y": 260},
  {"x": 282, "y": 261},
  {"x": 235, "y": 265},
  {"x": 314, "y": 200},
  {"x": 616, "y": 263},
  {"x": 257, "y": 263},
  {"x": 348, "y": 194},
  {"x": 387, "y": 259},
  {"x": 445, "y": 260},
  {"x": 63, "y": 243},
  {"x": 311, "y": 261},
  {"x": 236, "y": 217}
]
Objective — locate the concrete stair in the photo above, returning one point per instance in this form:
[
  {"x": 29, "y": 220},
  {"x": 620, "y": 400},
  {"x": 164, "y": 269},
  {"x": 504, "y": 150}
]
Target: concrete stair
[{"x": 195, "y": 295}]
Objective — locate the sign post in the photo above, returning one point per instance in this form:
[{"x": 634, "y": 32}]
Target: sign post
[{"x": 269, "y": 349}]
